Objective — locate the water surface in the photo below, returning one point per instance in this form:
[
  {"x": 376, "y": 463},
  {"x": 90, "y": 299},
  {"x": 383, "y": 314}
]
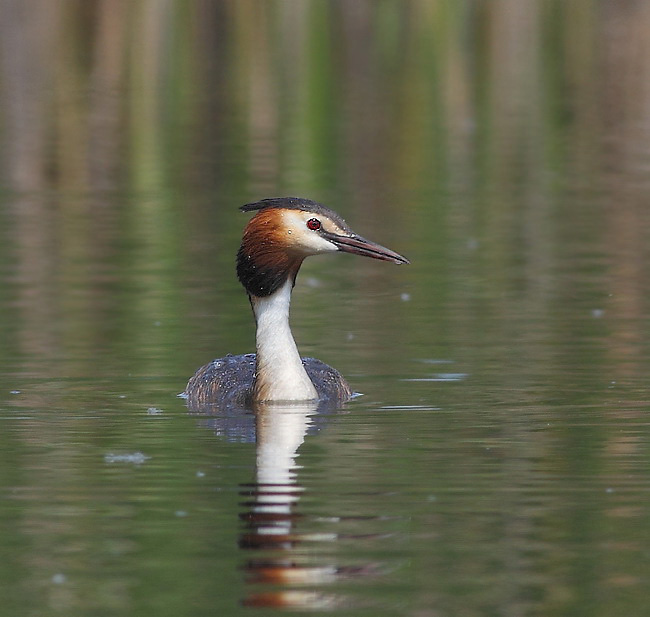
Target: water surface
[{"x": 497, "y": 462}]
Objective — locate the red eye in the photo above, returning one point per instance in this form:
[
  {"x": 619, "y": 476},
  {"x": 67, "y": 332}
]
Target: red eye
[{"x": 313, "y": 224}]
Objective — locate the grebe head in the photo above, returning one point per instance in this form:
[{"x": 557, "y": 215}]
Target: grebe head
[{"x": 284, "y": 231}]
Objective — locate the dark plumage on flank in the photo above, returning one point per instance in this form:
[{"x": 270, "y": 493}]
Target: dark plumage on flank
[{"x": 230, "y": 380}]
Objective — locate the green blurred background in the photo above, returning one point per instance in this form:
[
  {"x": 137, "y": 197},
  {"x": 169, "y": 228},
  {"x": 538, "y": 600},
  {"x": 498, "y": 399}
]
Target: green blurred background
[{"x": 132, "y": 130}]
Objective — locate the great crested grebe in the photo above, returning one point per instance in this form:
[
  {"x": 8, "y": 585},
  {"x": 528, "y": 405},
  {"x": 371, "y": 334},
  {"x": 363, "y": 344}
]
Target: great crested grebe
[{"x": 282, "y": 233}]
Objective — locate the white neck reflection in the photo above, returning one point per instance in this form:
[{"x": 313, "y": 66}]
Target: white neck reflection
[{"x": 281, "y": 430}]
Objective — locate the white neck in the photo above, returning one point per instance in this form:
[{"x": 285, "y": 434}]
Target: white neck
[{"x": 280, "y": 375}]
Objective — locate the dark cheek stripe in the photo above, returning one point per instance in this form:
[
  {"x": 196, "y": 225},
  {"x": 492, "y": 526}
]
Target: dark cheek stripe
[{"x": 259, "y": 281}]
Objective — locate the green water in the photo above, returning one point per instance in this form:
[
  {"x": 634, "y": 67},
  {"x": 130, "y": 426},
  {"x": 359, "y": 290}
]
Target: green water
[{"x": 497, "y": 462}]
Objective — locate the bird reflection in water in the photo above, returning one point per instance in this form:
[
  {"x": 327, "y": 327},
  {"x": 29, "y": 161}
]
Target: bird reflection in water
[
  {"x": 280, "y": 570},
  {"x": 271, "y": 518}
]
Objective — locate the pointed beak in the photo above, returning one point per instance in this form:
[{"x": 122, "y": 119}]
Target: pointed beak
[{"x": 360, "y": 246}]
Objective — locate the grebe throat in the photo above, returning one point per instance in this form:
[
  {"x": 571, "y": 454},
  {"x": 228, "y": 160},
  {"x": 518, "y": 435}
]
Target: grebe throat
[{"x": 279, "y": 374}]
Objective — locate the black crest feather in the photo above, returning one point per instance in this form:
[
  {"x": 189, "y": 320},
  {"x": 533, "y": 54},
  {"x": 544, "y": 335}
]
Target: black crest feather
[{"x": 295, "y": 203}]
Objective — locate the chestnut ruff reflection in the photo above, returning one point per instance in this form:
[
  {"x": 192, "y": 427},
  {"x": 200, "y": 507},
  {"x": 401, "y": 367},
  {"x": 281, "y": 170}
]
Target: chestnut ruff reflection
[{"x": 279, "y": 570}]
